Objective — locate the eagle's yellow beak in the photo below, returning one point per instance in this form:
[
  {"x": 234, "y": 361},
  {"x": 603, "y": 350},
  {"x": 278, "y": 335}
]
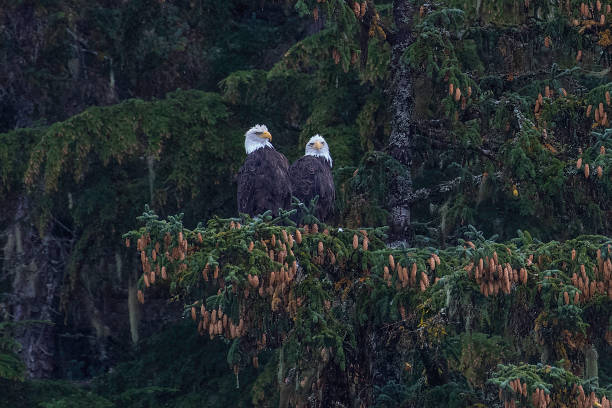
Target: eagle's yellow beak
[
  {"x": 266, "y": 135},
  {"x": 318, "y": 145}
]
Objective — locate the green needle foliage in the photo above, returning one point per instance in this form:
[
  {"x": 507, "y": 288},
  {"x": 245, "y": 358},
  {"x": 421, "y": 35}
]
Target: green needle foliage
[
  {"x": 510, "y": 133},
  {"x": 260, "y": 283},
  {"x": 11, "y": 366}
]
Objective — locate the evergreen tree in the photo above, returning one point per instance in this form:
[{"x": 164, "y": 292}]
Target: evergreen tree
[{"x": 461, "y": 126}]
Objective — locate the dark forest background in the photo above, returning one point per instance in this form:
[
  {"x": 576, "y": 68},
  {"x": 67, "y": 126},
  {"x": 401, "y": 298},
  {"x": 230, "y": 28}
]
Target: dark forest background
[{"x": 472, "y": 130}]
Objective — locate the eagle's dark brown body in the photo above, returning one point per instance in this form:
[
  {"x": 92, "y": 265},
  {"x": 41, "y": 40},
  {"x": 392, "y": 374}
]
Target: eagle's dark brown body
[
  {"x": 263, "y": 182},
  {"x": 311, "y": 176}
]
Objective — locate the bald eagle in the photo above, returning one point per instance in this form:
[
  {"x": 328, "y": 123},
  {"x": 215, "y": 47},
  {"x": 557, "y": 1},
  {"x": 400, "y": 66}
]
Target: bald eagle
[
  {"x": 263, "y": 179},
  {"x": 311, "y": 176}
]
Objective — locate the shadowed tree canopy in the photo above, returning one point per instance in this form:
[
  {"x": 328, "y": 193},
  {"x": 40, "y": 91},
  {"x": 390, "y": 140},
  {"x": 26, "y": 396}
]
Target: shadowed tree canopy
[{"x": 467, "y": 258}]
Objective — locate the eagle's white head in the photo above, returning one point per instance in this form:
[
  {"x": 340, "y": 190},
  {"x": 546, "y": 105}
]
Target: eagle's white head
[
  {"x": 256, "y": 138},
  {"x": 317, "y": 146}
]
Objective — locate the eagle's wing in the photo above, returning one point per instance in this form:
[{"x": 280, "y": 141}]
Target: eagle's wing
[
  {"x": 284, "y": 163},
  {"x": 284, "y": 188},
  {"x": 310, "y": 177},
  {"x": 263, "y": 182},
  {"x": 326, "y": 190},
  {"x": 246, "y": 184},
  {"x": 303, "y": 181}
]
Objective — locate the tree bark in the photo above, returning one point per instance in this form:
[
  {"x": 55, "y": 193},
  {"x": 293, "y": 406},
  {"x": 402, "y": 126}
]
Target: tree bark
[
  {"x": 591, "y": 366},
  {"x": 34, "y": 265},
  {"x": 133, "y": 310},
  {"x": 402, "y": 132}
]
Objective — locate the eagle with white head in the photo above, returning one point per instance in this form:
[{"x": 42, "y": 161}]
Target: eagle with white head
[
  {"x": 311, "y": 176},
  {"x": 263, "y": 179}
]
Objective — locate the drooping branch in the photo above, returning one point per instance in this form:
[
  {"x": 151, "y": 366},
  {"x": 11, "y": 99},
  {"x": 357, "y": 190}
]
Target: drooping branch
[
  {"x": 439, "y": 135},
  {"x": 445, "y": 187}
]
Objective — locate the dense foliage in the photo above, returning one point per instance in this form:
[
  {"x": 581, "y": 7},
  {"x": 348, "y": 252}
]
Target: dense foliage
[
  {"x": 109, "y": 105},
  {"x": 11, "y": 367},
  {"x": 309, "y": 291}
]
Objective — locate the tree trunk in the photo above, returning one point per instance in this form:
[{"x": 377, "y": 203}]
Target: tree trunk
[
  {"x": 401, "y": 141},
  {"x": 133, "y": 310},
  {"x": 591, "y": 369},
  {"x": 151, "y": 168},
  {"x": 34, "y": 265}
]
